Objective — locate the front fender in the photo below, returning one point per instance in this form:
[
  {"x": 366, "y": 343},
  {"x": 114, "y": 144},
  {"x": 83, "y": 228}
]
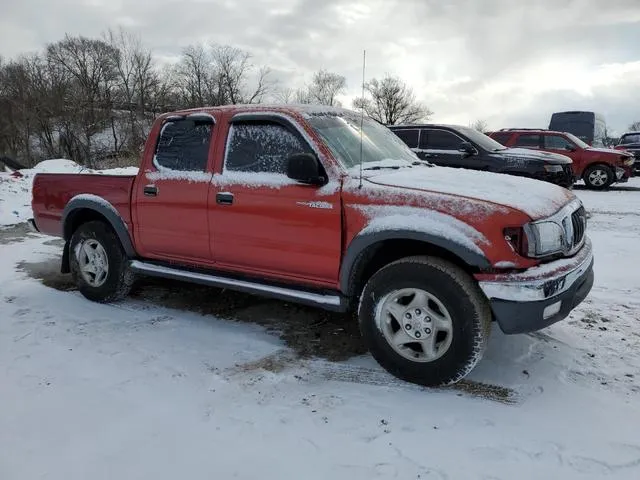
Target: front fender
[{"x": 367, "y": 242}]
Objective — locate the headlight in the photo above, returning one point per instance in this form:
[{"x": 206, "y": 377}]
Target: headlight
[
  {"x": 628, "y": 161},
  {"x": 544, "y": 238},
  {"x": 553, "y": 168}
]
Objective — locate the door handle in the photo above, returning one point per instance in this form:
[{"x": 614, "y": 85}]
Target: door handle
[
  {"x": 224, "y": 198},
  {"x": 150, "y": 191}
]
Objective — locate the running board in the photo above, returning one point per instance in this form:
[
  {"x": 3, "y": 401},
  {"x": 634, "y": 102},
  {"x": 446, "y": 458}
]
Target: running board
[{"x": 327, "y": 302}]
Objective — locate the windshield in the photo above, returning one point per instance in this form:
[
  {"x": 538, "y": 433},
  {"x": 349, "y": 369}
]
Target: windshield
[
  {"x": 576, "y": 140},
  {"x": 480, "y": 139},
  {"x": 630, "y": 138},
  {"x": 381, "y": 148}
]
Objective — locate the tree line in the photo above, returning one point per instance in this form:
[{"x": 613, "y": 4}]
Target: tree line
[{"x": 93, "y": 100}]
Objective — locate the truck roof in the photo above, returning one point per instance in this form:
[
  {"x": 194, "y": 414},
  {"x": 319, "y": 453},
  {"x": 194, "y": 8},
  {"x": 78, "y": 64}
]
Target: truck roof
[{"x": 301, "y": 109}]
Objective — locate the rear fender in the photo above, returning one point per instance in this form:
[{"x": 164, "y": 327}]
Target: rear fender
[{"x": 82, "y": 203}]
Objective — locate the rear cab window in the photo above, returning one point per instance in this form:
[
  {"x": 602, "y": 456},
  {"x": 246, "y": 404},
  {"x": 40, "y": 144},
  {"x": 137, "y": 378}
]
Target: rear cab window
[
  {"x": 528, "y": 140},
  {"x": 183, "y": 145}
]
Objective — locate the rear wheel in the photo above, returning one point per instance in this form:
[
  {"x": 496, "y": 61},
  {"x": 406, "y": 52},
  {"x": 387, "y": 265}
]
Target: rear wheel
[
  {"x": 98, "y": 263},
  {"x": 598, "y": 177},
  {"x": 425, "y": 320}
]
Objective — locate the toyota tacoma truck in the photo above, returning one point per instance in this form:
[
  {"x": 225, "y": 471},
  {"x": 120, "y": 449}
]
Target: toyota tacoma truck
[{"x": 305, "y": 205}]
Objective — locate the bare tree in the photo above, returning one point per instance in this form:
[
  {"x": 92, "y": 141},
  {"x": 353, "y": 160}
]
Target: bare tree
[
  {"x": 91, "y": 65},
  {"x": 326, "y": 86},
  {"x": 233, "y": 66},
  {"x": 391, "y": 101},
  {"x": 635, "y": 127},
  {"x": 479, "y": 125}
]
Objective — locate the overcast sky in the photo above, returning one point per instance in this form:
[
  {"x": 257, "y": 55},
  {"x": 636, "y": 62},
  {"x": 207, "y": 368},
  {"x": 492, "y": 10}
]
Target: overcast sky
[{"x": 509, "y": 62}]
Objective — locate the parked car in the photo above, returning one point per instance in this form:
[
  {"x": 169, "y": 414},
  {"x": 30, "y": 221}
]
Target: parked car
[
  {"x": 590, "y": 127},
  {"x": 599, "y": 168},
  {"x": 630, "y": 142},
  {"x": 294, "y": 203},
  {"x": 463, "y": 147}
]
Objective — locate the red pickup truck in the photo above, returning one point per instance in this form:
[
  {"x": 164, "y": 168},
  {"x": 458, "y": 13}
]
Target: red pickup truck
[{"x": 301, "y": 204}]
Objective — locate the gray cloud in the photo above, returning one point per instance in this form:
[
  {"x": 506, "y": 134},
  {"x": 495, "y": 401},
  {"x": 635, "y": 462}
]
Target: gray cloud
[{"x": 467, "y": 59}]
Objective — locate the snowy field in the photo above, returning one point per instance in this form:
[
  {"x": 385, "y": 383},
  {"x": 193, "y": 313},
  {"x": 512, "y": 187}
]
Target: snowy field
[{"x": 141, "y": 390}]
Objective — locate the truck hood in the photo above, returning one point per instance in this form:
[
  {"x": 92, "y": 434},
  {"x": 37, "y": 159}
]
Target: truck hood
[
  {"x": 534, "y": 198},
  {"x": 526, "y": 153},
  {"x": 609, "y": 151}
]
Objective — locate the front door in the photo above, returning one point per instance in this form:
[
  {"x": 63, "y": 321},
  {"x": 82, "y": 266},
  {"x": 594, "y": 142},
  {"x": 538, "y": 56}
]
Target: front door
[
  {"x": 560, "y": 144},
  {"x": 442, "y": 147},
  {"x": 264, "y": 223},
  {"x": 171, "y": 197}
]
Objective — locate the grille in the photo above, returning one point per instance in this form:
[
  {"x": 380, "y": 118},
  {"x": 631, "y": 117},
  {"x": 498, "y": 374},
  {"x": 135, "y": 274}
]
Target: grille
[{"x": 579, "y": 223}]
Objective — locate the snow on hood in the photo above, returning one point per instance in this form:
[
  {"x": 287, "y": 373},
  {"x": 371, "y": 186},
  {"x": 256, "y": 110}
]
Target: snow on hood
[
  {"x": 532, "y": 197},
  {"x": 536, "y": 154}
]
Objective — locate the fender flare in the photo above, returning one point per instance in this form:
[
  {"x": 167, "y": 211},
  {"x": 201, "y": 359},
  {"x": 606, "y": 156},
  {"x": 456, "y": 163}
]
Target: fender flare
[
  {"x": 364, "y": 242},
  {"x": 104, "y": 208}
]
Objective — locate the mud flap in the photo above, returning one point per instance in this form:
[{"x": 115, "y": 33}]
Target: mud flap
[{"x": 65, "y": 267}]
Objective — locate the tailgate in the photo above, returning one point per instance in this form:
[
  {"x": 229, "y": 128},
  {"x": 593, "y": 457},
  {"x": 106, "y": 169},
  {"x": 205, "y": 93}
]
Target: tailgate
[{"x": 52, "y": 191}]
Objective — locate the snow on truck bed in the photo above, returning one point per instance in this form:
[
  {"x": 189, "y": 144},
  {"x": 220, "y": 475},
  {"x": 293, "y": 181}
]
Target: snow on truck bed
[{"x": 15, "y": 192}]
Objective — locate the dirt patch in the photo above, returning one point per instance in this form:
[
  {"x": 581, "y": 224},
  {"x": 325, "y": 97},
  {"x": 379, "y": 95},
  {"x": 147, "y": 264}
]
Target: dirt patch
[
  {"x": 48, "y": 272},
  {"x": 307, "y": 331},
  {"x": 15, "y": 233}
]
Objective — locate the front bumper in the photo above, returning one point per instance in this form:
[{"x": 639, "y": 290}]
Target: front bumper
[{"x": 534, "y": 299}]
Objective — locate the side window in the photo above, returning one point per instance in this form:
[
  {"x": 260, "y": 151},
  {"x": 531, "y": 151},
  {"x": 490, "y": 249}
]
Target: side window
[
  {"x": 184, "y": 145},
  {"x": 409, "y": 136},
  {"x": 261, "y": 147},
  {"x": 556, "y": 142},
  {"x": 502, "y": 138},
  {"x": 528, "y": 141},
  {"x": 441, "y": 140}
]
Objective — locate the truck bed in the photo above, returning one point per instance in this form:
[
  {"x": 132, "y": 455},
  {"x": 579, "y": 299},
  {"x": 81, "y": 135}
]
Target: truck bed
[{"x": 52, "y": 191}]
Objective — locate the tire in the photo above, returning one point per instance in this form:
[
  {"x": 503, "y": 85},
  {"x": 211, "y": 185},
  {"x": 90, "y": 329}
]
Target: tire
[
  {"x": 453, "y": 301},
  {"x": 598, "y": 177},
  {"x": 100, "y": 240}
]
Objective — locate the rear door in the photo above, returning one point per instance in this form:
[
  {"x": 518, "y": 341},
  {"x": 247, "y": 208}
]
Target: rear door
[
  {"x": 170, "y": 198},
  {"x": 442, "y": 147},
  {"x": 264, "y": 223}
]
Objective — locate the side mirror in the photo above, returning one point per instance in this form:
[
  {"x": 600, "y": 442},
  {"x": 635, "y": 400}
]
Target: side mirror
[
  {"x": 467, "y": 148},
  {"x": 305, "y": 168},
  {"x": 570, "y": 148}
]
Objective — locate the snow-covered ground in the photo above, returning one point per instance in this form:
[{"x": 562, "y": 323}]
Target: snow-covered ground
[{"x": 139, "y": 390}]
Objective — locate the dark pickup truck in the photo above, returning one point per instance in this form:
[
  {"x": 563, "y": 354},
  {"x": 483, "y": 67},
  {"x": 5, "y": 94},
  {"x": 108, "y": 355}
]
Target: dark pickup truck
[{"x": 296, "y": 204}]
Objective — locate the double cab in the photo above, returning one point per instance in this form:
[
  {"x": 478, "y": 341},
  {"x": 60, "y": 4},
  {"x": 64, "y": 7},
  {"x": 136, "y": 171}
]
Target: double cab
[
  {"x": 300, "y": 204},
  {"x": 599, "y": 168}
]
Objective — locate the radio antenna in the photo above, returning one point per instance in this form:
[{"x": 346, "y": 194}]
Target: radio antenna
[{"x": 364, "y": 63}]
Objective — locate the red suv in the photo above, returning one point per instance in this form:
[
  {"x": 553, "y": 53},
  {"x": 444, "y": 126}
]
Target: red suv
[{"x": 598, "y": 167}]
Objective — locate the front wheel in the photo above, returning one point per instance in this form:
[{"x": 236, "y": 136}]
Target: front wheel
[
  {"x": 598, "y": 177},
  {"x": 425, "y": 320},
  {"x": 98, "y": 263}
]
